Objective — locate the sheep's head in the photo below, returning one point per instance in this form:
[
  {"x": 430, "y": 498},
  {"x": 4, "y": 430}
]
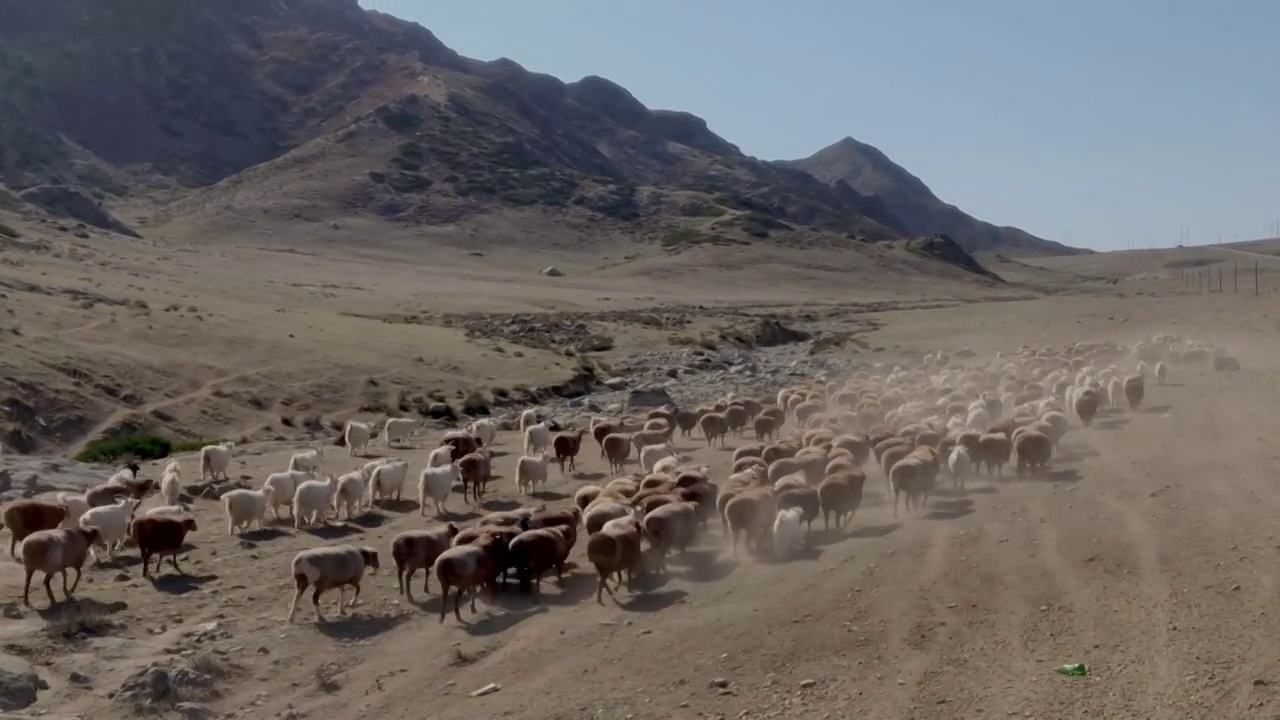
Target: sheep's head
[
  {"x": 452, "y": 530},
  {"x": 133, "y": 467},
  {"x": 370, "y": 557},
  {"x": 189, "y": 524},
  {"x": 62, "y": 512}
]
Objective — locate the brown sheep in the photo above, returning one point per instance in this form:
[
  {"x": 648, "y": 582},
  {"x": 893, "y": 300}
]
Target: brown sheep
[
  {"x": 909, "y": 477},
  {"x": 616, "y": 548},
  {"x": 687, "y": 420},
  {"x": 705, "y": 495},
  {"x": 714, "y": 425},
  {"x": 841, "y": 495},
  {"x": 617, "y": 447},
  {"x": 475, "y": 470},
  {"x": 465, "y": 567},
  {"x": 1086, "y": 406},
  {"x": 857, "y": 445},
  {"x": 414, "y": 550},
  {"x": 653, "y": 501},
  {"x": 569, "y": 518},
  {"x": 602, "y": 431},
  {"x": 496, "y": 542},
  {"x": 688, "y": 478},
  {"x": 993, "y": 452},
  {"x": 736, "y": 418},
  {"x": 536, "y": 551},
  {"x": 1033, "y": 449},
  {"x": 1134, "y": 387},
  {"x": 24, "y": 517},
  {"x": 778, "y": 451},
  {"x": 329, "y": 567},
  {"x": 53, "y": 551},
  {"x": 160, "y": 536},
  {"x": 671, "y": 527},
  {"x": 567, "y": 445},
  {"x": 765, "y": 427},
  {"x": 804, "y": 498},
  {"x": 106, "y": 494},
  {"x": 510, "y": 518},
  {"x": 749, "y": 513},
  {"x": 463, "y": 443},
  {"x": 890, "y": 457}
]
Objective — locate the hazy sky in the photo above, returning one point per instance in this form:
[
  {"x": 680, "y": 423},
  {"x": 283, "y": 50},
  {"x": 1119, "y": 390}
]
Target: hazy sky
[{"x": 1118, "y": 121}]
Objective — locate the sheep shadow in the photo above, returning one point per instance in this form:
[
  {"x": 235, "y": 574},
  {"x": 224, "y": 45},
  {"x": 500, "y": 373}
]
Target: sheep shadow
[
  {"x": 703, "y": 566},
  {"x": 827, "y": 536},
  {"x": 369, "y": 520},
  {"x": 949, "y": 510},
  {"x": 589, "y": 476},
  {"x": 1114, "y": 423},
  {"x": 1169, "y": 384},
  {"x": 1157, "y": 409},
  {"x": 85, "y": 615},
  {"x": 397, "y": 506},
  {"x": 174, "y": 584},
  {"x": 500, "y": 505},
  {"x": 492, "y": 624},
  {"x": 262, "y": 535},
  {"x": 549, "y": 495},
  {"x": 1062, "y": 475},
  {"x": 455, "y": 516},
  {"x": 648, "y": 602},
  {"x": 332, "y": 532},
  {"x": 498, "y": 453},
  {"x": 807, "y": 552},
  {"x": 1076, "y": 454},
  {"x": 875, "y": 531},
  {"x": 359, "y": 626}
]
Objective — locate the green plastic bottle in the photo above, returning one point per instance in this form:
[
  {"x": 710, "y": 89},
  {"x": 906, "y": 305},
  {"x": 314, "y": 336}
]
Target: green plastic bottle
[{"x": 1073, "y": 669}]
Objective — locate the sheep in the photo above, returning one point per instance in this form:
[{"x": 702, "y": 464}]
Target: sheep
[
  {"x": 171, "y": 484},
  {"x": 112, "y": 522},
  {"x": 336, "y": 566},
  {"x": 169, "y": 511},
  {"x": 530, "y": 472},
  {"x": 528, "y": 418},
  {"x": 475, "y": 469},
  {"x": 615, "y": 548},
  {"x": 714, "y": 425},
  {"x": 1162, "y": 372},
  {"x": 465, "y": 567},
  {"x": 54, "y": 551},
  {"x": 356, "y": 437},
  {"x": 76, "y": 504},
  {"x": 244, "y": 509},
  {"x": 24, "y": 517},
  {"x": 841, "y": 495},
  {"x": 435, "y": 483},
  {"x": 485, "y": 430},
  {"x": 651, "y": 454},
  {"x": 311, "y": 501},
  {"x": 307, "y": 459},
  {"x": 806, "y": 499},
  {"x": 993, "y": 451},
  {"x": 747, "y": 514},
  {"x": 398, "y": 429},
  {"x": 537, "y": 438},
  {"x": 1134, "y": 386},
  {"x": 537, "y": 550},
  {"x": 461, "y": 442},
  {"x": 387, "y": 480},
  {"x": 1085, "y": 406},
  {"x": 214, "y": 460},
  {"x": 960, "y": 465},
  {"x": 105, "y": 494},
  {"x": 414, "y": 550},
  {"x": 281, "y": 486},
  {"x": 786, "y": 532},
  {"x": 670, "y": 527},
  {"x": 617, "y": 447},
  {"x": 909, "y": 477},
  {"x": 161, "y": 536},
  {"x": 1033, "y": 450},
  {"x": 566, "y": 446},
  {"x": 349, "y": 494},
  {"x": 126, "y": 473}
]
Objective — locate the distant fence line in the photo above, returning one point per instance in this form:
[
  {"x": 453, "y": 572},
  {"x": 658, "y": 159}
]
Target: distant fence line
[{"x": 1203, "y": 281}]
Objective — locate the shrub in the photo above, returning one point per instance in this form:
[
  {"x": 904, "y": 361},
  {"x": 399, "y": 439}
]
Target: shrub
[{"x": 138, "y": 446}]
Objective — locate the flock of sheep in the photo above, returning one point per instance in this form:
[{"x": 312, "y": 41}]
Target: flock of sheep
[{"x": 944, "y": 415}]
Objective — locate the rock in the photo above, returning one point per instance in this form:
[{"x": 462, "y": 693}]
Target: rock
[
  {"x": 12, "y": 611},
  {"x": 192, "y": 711},
  {"x": 718, "y": 683},
  {"x": 147, "y": 686},
  {"x": 649, "y": 397},
  {"x": 19, "y": 683},
  {"x": 615, "y": 383},
  {"x": 441, "y": 411},
  {"x": 6, "y": 481},
  {"x": 1224, "y": 363},
  {"x": 71, "y": 203},
  {"x": 552, "y": 271},
  {"x": 78, "y": 678}
]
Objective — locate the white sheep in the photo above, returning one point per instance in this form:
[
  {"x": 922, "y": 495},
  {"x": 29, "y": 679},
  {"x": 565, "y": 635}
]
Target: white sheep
[
  {"x": 436, "y": 483},
  {"x": 244, "y": 509},
  {"x": 173, "y": 511},
  {"x": 336, "y": 566},
  {"x": 398, "y": 429},
  {"x": 484, "y": 429},
  {"x": 787, "y": 532},
  {"x": 214, "y": 460},
  {"x": 1162, "y": 372},
  {"x": 281, "y": 486},
  {"x": 527, "y": 418},
  {"x": 125, "y": 474},
  {"x": 307, "y": 459},
  {"x": 171, "y": 484},
  {"x": 356, "y": 436},
  {"x": 387, "y": 480},
  {"x": 350, "y": 494},
  {"x": 312, "y": 500},
  {"x": 112, "y": 522},
  {"x": 77, "y": 506},
  {"x": 960, "y": 464},
  {"x": 537, "y": 438},
  {"x": 531, "y": 471},
  {"x": 441, "y": 456},
  {"x": 650, "y": 455}
]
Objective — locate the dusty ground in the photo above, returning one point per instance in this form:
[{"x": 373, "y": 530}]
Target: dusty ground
[{"x": 1149, "y": 556}]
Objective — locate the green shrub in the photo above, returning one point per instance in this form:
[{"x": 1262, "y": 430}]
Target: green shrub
[{"x": 139, "y": 446}]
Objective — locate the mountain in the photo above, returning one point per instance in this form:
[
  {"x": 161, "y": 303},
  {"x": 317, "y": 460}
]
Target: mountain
[
  {"x": 220, "y": 110},
  {"x": 870, "y": 172}
]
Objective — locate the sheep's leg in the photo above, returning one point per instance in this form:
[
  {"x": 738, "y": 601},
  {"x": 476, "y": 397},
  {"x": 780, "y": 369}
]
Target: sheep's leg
[
  {"x": 75, "y": 583},
  {"x": 173, "y": 559},
  {"x": 146, "y": 564},
  {"x": 474, "y": 591},
  {"x": 48, "y": 588},
  {"x": 26, "y": 588},
  {"x": 354, "y": 595},
  {"x": 457, "y": 603},
  {"x": 315, "y": 602},
  {"x": 602, "y": 585},
  {"x": 13, "y": 545},
  {"x": 895, "y": 503}
]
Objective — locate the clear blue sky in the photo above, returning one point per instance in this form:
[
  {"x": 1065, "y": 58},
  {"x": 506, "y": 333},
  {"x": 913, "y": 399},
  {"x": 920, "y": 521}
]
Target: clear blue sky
[{"x": 1115, "y": 120}]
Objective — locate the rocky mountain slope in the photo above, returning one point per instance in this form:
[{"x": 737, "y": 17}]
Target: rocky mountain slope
[
  {"x": 217, "y": 106},
  {"x": 870, "y": 172}
]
